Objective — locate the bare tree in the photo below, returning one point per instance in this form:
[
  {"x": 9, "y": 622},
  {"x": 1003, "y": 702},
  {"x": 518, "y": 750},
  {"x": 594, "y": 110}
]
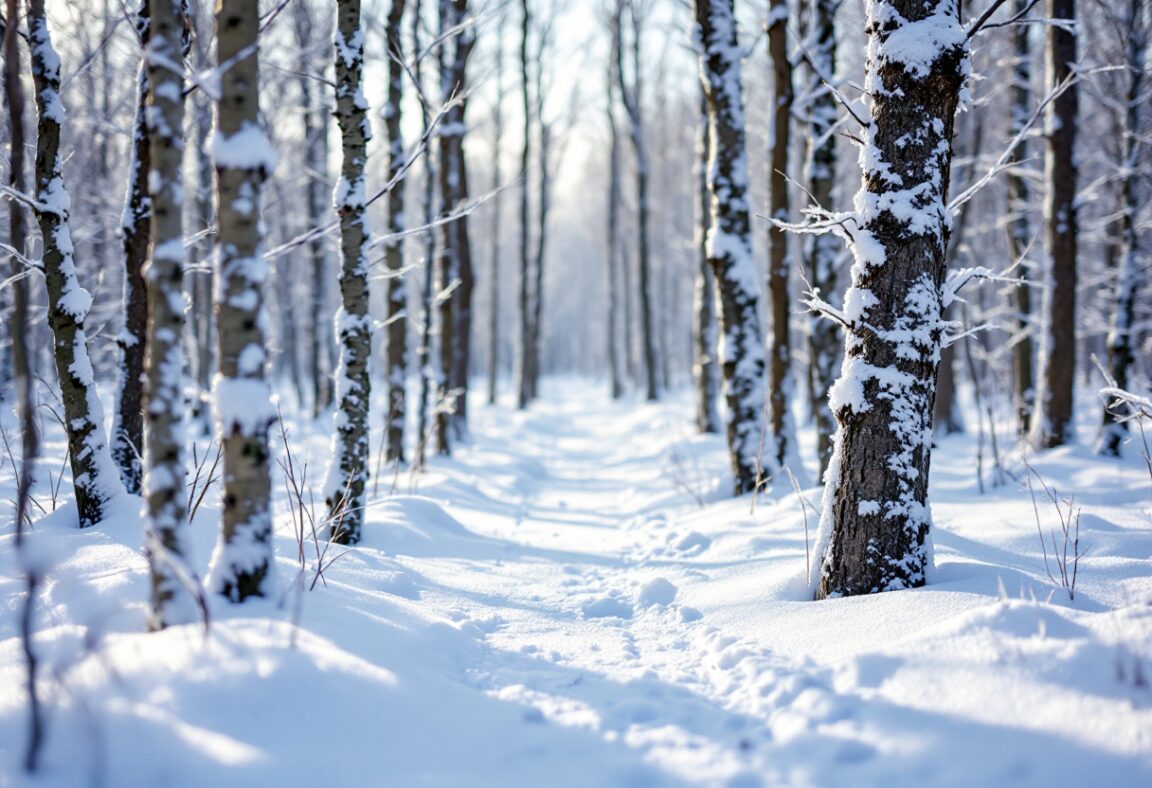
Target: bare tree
[
  {"x": 243, "y": 156},
  {"x": 875, "y": 522},
  {"x": 94, "y": 475},
  {"x": 730, "y": 241},
  {"x": 525, "y": 371},
  {"x": 135, "y": 230},
  {"x": 613, "y": 258},
  {"x": 706, "y": 369},
  {"x": 1052, "y": 417},
  {"x": 494, "y": 267},
  {"x": 172, "y": 600},
  {"x": 394, "y": 250}
]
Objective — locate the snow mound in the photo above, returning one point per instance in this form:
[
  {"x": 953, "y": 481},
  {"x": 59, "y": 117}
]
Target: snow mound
[{"x": 657, "y": 592}]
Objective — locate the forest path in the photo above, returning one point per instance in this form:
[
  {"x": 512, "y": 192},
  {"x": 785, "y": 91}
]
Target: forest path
[{"x": 576, "y": 583}]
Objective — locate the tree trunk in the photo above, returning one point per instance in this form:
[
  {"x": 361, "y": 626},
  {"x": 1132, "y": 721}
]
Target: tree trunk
[
  {"x": 203, "y": 323},
  {"x": 394, "y": 251},
  {"x": 172, "y": 599},
  {"x": 425, "y": 356},
  {"x": 1019, "y": 228},
  {"x": 1121, "y": 348},
  {"x": 94, "y": 475},
  {"x": 135, "y": 228},
  {"x": 823, "y": 251},
  {"x": 730, "y": 242},
  {"x": 1052, "y": 419},
  {"x": 525, "y": 371},
  {"x": 615, "y": 361},
  {"x": 875, "y": 523},
  {"x": 632, "y": 97},
  {"x": 497, "y": 178},
  {"x": 779, "y": 264},
  {"x": 244, "y": 157},
  {"x": 348, "y": 472},
  {"x": 706, "y": 370}
]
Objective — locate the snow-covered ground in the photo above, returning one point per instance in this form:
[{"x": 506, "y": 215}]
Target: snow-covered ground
[{"x": 571, "y": 601}]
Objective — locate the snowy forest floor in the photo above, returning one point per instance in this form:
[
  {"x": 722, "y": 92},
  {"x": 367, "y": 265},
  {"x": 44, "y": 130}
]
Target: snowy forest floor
[{"x": 570, "y": 600}]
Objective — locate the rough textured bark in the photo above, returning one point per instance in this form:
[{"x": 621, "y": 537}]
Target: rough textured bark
[
  {"x": 348, "y": 472},
  {"x": 706, "y": 370},
  {"x": 1121, "y": 347},
  {"x": 632, "y": 96},
  {"x": 135, "y": 229},
  {"x": 172, "y": 600},
  {"x": 1052, "y": 418},
  {"x": 874, "y": 530},
  {"x": 1019, "y": 228},
  {"x": 394, "y": 250},
  {"x": 455, "y": 265},
  {"x": 94, "y": 475},
  {"x": 730, "y": 241},
  {"x": 822, "y": 252},
  {"x": 315, "y": 116},
  {"x": 524, "y": 373},
  {"x": 243, "y": 156},
  {"x": 779, "y": 263}
]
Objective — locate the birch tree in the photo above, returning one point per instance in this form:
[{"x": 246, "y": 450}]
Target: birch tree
[
  {"x": 166, "y": 546},
  {"x": 874, "y": 529},
  {"x": 730, "y": 241},
  {"x": 348, "y": 472},
  {"x": 94, "y": 475},
  {"x": 706, "y": 371},
  {"x": 524, "y": 373},
  {"x": 613, "y": 257},
  {"x": 1052, "y": 417},
  {"x": 244, "y": 157},
  {"x": 135, "y": 230}
]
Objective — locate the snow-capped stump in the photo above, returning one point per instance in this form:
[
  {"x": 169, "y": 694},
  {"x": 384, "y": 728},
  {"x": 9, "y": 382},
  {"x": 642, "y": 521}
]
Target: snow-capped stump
[{"x": 657, "y": 592}]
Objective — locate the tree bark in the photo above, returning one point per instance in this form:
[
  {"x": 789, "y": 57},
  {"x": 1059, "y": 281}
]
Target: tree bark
[
  {"x": 425, "y": 356},
  {"x": 525, "y": 371},
  {"x": 875, "y": 523},
  {"x": 135, "y": 229},
  {"x": 244, "y": 157},
  {"x": 706, "y": 371},
  {"x": 730, "y": 242},
  {"x": 94, "y": 475},
  {"x": 1052, "y": 419},
  {"x": 172, "y": 598},
  {"x": 615, "y": 361},
  {"x": 394, "y": 250},
  {"x": 497, "y": 178}
]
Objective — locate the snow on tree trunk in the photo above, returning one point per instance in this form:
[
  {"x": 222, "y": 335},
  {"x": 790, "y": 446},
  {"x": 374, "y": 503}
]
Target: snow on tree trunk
[
  {"x": 135, "y": 229},
  {"x": 1019, "y": 227},
  {"x": 172, "y": 600},
  {"x": 94, "y": 475},
  {"x": 822, "y": 252},
  {"x": 706, "y": 370},
  {"x": 348, "y": 469},
  {"x": 1052, "y": 417},
  {"x": 243, "y": 562},
  {"x": 779, "y": 262},
  {"x": 1121, "y": 347},
  {"x": 613, "y": 251},
  {"x": 729, "y": 242},
  {"x": 874, "y": 530},
  {"x": 394, "y": 250}
]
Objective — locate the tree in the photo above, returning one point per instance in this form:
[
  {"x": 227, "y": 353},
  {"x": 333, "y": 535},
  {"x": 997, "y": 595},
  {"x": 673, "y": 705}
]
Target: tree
[
  {"x": 822, "y": 252},
  {"x": 348, "y": 472},
  {"x": 135, "y": 231},
  {"x": 1052, "y": 417},
  {"x": 706, "y": 371},
  {"x": 631, "y": 95},
  {"x": 394, "y": 250},
  {"x": 94, "y": 475},
  {"x": 494, "y": 267},
  {"x": 525, "y": 372},
  {"x": 780, "y": 380},
  {"x": 613, "y": 242},
  {"x": 172, "y": 601},
  {"x": 875, "y": 521},
  {"x": 455, "y": 264},
  {"x": 243, "y": 157},
  {"x": 730, "y": 241},
  {"x": 1019, "y": 228},
  {"x": 1121, "y": 344}
]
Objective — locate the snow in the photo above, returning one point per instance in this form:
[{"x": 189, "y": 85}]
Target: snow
[
  {"x": 552, "y": 606},
  {"x": 247, "y": 149}
]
